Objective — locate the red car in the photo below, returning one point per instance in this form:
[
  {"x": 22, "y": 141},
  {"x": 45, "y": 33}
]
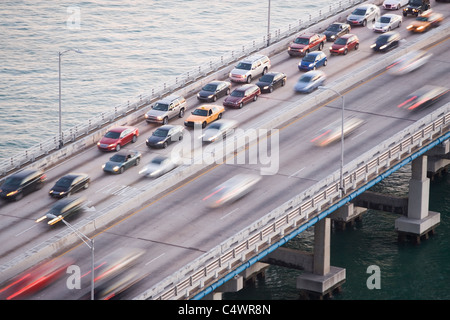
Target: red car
[
  {"x": 117, "y": 137},
  {"x": 242, "y": 95},
  {"x": 345, "y": 43},
  {"x": 306, "y": 43}
]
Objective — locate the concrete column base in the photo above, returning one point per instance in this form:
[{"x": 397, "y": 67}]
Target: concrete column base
[
  {"x": 417, "y": 228},
  {"x": 319, "y": 286},
  {"x": 346, "y": 215}
]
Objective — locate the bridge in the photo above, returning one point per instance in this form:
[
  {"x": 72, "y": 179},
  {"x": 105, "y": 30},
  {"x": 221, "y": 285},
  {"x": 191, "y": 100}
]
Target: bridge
[{"x": 190, "y": 250}]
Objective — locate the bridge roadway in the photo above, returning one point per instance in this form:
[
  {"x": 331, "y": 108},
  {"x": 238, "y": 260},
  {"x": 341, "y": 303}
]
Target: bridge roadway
[{"x": 174, "y": 228}]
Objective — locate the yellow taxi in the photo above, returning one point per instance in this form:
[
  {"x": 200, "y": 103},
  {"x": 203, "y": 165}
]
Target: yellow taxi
[
  {"x": 427, "y": 20},
  {"x": 204, "y": 115}
]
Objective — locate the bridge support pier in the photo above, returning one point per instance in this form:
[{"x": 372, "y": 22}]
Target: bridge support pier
[
  {"x": 324, "y": 279},
  {"x": 419, "y": 222},
  {"x": 346, "y": 215}
]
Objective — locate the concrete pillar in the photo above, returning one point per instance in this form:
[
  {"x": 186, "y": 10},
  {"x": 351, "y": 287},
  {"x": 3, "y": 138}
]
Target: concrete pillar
[
  {"x": 322, "y": 247},
  {"x": 419, "y": 221},
  {"x": 346, "y": 215}
]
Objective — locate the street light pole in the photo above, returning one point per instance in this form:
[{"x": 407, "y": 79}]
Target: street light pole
[
  {"x": 59, "y": 77},
  {"x": 341, "y": 182},
  {"x": 268, "y": 25},
  {"x": 89, "y": 242}
]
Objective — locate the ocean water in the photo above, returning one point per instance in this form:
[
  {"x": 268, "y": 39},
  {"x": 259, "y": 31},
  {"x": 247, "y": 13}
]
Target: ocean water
[{"x": 130, "y": 47}]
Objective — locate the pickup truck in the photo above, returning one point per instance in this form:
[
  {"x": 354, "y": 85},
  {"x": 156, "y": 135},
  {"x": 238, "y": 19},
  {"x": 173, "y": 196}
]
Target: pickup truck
[{"x": 306, "y": 43}]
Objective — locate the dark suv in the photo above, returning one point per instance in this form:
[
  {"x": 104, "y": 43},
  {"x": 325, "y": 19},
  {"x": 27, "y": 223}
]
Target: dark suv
[
  {"x": 22, "y": 183},
  {"x": 416, "y": 7}
]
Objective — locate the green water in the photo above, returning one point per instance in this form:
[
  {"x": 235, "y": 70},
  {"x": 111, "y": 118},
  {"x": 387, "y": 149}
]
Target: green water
[{"x": 407, "y": 271}]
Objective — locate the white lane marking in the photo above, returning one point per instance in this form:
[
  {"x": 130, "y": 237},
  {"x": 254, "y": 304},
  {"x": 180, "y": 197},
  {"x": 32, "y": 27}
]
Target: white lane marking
[
  {"x": 26, "y": 230},
  {"x": 240, "y": 113},
  {"x": 104, "y": 187},
  {"x": 155, "y": 258},
  {"x": 359, "y": 135},
  {"x": 296, "y": 172},
  {"x": 229, "y": 213}
]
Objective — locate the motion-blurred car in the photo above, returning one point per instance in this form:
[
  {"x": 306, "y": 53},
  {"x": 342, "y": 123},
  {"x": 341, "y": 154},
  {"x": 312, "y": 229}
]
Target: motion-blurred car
[
  {"x": 310, "y": 81},
  {"x": 336, "y": 30},
  {"x": 69, "y": 184},
  {"x": 387, "y": 22},
  {"x": 63, "y": 208},
  {"x": 271, "y": 81},
  {"x": 312, "y": 61},
  {"x": 22, "y": 183},
  {"x": 165, "y": 109},
  {"x": 165, "y": 135},
  {"x": 242, "y": 95},
  {"x": 117, "y": 137},
  {"x": 423, "y": 97},
  {"x": 218, "y": 130},
  {"x": 306, "y": 43},
  {"x": 363, "y": 14},
  {"x": 122, "y": 161},
  {"x": 394, "y": 4},
  {"x": 158, "y": 166},
  {"x": 204, "y": 115},
  {"x": 416, "y": 7},
  {"x": 426, "y": 21},
  {"x": 333, "y": 132},
  {"x": 409, "y": 62},
  {"x": 34, "y": 279},
  {"x": 344, "y": 44},
  {"x": 231, "y": 190},
  {"x": 386, "y": 42},
  {"x": 214, "y": 90}
]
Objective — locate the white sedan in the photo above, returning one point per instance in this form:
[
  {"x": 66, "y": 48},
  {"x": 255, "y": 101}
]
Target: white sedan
[
  {"x": 387, "y": 22},
  {"x": 394, "y": 4}
]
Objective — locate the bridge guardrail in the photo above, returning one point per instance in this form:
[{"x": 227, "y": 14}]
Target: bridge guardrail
[{"x": 77, "y": 132}]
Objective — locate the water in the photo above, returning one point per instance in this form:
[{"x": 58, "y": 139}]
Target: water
[{"x": 128, "y": 48}]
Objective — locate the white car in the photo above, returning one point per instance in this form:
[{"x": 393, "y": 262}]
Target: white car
[
  {"x": 249, "y": 68},
  {"x": 158, "y": 166},
  {"x": 394, "y": 4},
  {"x": 219, "y": 130},
  {"x": 409, "y": 62},
  {"x": 387, "y": 22}
]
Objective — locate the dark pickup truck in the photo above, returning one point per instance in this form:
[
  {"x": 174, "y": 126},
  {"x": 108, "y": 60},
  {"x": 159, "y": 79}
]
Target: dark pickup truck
[
  {"x": 416, "y": 7},
  {"x": 306, "y": 43}
]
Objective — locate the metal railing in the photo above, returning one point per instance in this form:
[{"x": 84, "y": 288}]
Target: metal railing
[
  {"x": 99, "y": 121},
  {"x": 301, "y": 209}
]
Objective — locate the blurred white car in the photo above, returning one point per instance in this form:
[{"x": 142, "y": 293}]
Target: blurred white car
[
  {"x": 409, "y": 62},
  {"x": 231, "y": 190},
  {"x": 333, "y": 132},
  {"x": 387, "y": 22},
  {"x": 394, "y": 4},
  {"x": 158, "y": 166},
  {"x": 218, "y": 130}
]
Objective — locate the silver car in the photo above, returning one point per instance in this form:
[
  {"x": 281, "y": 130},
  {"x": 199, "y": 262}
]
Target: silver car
[
  {"x": 158, "y": 166},
  {"x": 387, "y": 22},
  {"x": 363, "y": 14},
  {"x": 165, "y": 109},
  {"x": 218, "y": 130}
]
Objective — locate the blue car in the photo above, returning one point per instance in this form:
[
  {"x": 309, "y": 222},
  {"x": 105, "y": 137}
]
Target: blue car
[
  {"x": 310, "y": 81},
  {"x": 312, "y": 61}
]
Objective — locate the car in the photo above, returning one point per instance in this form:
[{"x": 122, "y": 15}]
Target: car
[
  {"x": 165, "y": 135},
  {"x": 333, "y": 131},
  {"x": 22, "y": 183},
  {"x": 416, "y": 7},
  {"x": 310, "y": 81},
  {"x": 386, "y": 41},
  {"x": 387, "y": 22},
  {"x": 122, "y": 161},
  {"x": 312, "y": 61},
  {"x": 219, "y": 130},
  {"x": 271, "y": 81},
  {"x": 69, "y": 184},
  {"x": 363, "y": 14},
  {"x": 306, "y": 43},
  {"x": 62, "y": 209},
  {"x": 249, "y": 68},
  {"x": 204, "y": 115},
  {"x": 409, "y": 62},
  {"x": 231, "y": 190},
  {"x": 165, "y": 109},
  {"x": 242, "y": 95},
  {"x": 336, "y": 30},
  {"x": 394, "y": 4},
  {"x": 214, "y": 90},
  {"x": 426, "y": 21},
  {"x": 118, "y": 137},
  {"x": 423, "y": 97},
  {"x": 158, "y": 166},
  {"x": 345, "y": 43}
]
